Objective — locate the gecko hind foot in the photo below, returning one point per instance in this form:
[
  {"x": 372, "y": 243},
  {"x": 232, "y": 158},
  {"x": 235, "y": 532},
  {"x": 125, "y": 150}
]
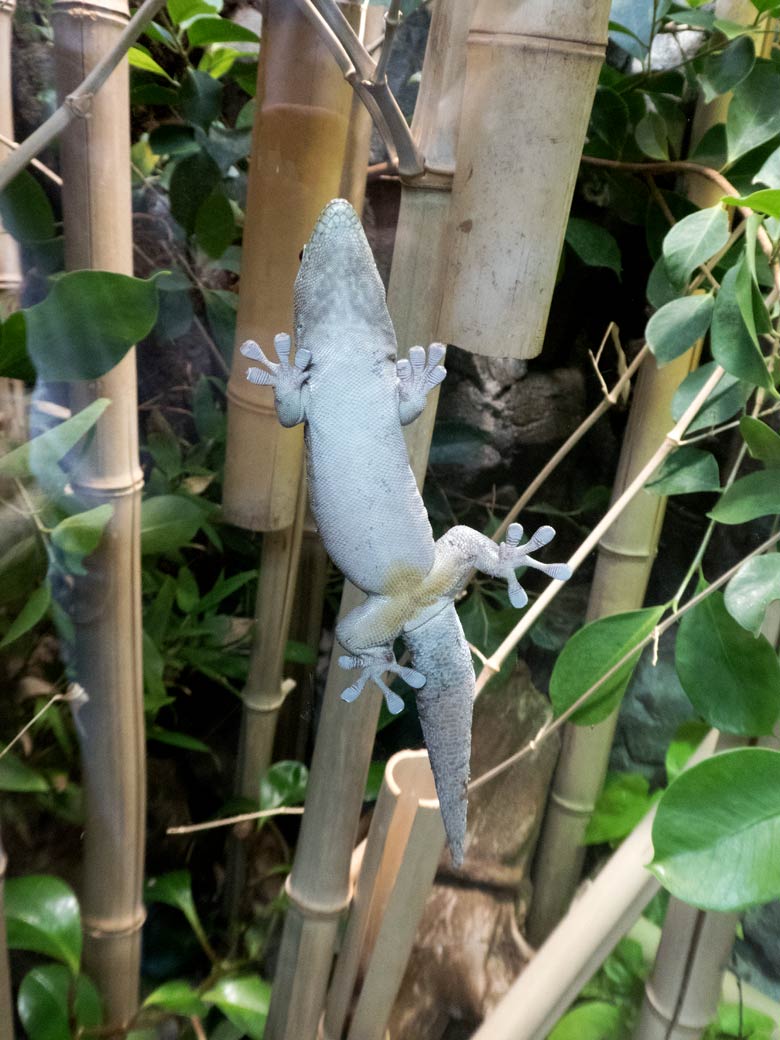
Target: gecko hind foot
[
  {"x": 512, "y": 555},
  {"x": 373, "y": 667}
]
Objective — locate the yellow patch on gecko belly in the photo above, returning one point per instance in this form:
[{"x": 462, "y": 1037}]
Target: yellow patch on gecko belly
[{"x": 408, "y": 591}]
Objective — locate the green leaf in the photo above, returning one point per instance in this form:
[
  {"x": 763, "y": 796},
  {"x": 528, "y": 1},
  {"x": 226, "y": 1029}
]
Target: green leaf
[
  {"x": 14, "y": 360},
  {"x": 660, "y": 290},
  {"x": 678, "y": 325},
  {"x": 173, "y": 139},
  {"x": 754, "y": 112},
  {"x": 686, "y": 740},
  {"x": 192, "y": 181},
  {"x": 766, "y": 201},
  {"x": 757, "y": 494},
  {"x": 16, "y": 775},
  {"x": 741, "y": 1022},
  {"x": 731, "y": 678},
  {"x": 181, "y": 11},
  {"x": 32, "y": 612},
  {"x": 755, "y": 585},
  {"x": 215, "y": 226},
  {"x": 686, "y": 471},
  {"x": 44, "y": 1003},
  {"x": 770, "y": 171},
  {"x": 168, "y": 522},
  {"x": 81, "y": 533},
  {"x": 283, "y": 784},
  {"x": 693, "y": 240},
  {"x": 224, "y": 587},
  {"x": 624, "y": 800},
  {"x": 45, "y": 450},
  {"x": 179, "y": 740},
  {"x": 25, "y": 211},
  {"x": 140, "y": 58},
  {"x": 244, "y": 1001},
  {"x": 88, "y": 322},
  {"x": 651, "y": 136},
  {"x": 200, "y": 98},
  {"x": 221, "y": 313},
  {"x": 219, "y": 30},
  {"x": 595, "y": 1020},
  {"x": 593, "y": 244},
  {"x": 376, "y": 774},
  {"x": 725, "y": 400},
  {"x": 175, "y": 889},
  {"x": 717, "y": 831},
  {"x": 178, "y": 997},
  {"x": 591, "y": 652},
  {"x": 730, "y": 340},
  {"x": 454, "y": 441},
  {"x": 761, "y": 440},
  {"x": 722, "y": 71},
  {"x": 187, "y": 592},
  {"x": 296, "y": 652},
  {"x": 42, "y": 915}
]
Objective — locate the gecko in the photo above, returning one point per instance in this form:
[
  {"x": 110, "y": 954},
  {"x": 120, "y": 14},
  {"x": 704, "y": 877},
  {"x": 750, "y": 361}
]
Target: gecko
[{"x": 346, "y": 385}]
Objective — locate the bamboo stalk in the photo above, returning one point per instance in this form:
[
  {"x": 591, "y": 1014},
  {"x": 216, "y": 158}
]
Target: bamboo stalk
[
  {"x": 79, "y": 100},
  {"x": 401, "y": 855},
  {"x": 353, "y": 175},
  {"x": 503, "y": 257},
  {"x": 106, "y": 605},
  {"x": 298, "y": 150},
  {"x": 591, "y": 929},
  {"x": 625, "y": 559},
  {"x": 319, "y": 885},
  {"x": 6, "y": 1001}
]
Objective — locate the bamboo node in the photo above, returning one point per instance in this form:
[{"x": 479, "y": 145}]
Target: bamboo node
[
  {"x": 312, "y": 910},
  {"x": 80, "y": 104}
]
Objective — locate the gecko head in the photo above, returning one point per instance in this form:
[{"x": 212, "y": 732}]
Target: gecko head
[{"x": 338, "y": 283}]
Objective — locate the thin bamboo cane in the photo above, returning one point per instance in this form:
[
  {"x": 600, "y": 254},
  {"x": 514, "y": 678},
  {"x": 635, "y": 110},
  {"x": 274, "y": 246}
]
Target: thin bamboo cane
[
  {"x": 353, "y": 175},
  {"x": 593, "y": 926},
  {"x": 508, "y": 220},
  {"x": 318, "y": 886},
  {"x": 6, "y": 1002},
  {"x": 106, "y": 606},
  {"x": 625, "y": 558},
  {"x": 402, "y": 852},
  {"x": 77, "y": 103},
  {"x": 298, "y": 151},
  {"x": 12, "y": 421}
]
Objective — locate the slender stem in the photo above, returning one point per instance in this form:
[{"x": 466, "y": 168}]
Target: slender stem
[
  {"x": 657, "y": 632},
  {"x": 45, "y": 170},
  {"x": 392, "y": 21},
  {"x": 670, "y": 443},
  {"x": 603, "y": 406},
  {"x": 79, "y": 101},
  {"x": 74, "y": 693},
  {"x": 229, "y": 821}
]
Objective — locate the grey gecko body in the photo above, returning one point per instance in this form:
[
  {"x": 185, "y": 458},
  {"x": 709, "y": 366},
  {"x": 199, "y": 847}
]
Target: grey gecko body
[{"x": 353, "y": 397}]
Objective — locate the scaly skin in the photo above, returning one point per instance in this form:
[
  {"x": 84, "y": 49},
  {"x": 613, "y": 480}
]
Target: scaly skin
[{"x": 353, "y": 397}]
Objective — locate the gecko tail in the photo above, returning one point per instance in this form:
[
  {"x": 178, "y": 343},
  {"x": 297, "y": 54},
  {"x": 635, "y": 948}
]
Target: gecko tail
[{"x": 439, "y": 650}]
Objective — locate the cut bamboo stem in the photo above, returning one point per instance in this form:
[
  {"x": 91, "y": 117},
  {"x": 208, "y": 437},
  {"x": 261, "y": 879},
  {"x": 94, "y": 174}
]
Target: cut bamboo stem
[
  {"x": 596, "y": 922},
  {"x": 319, "y": 885},
  {"x": 106, "y": 605},
  {"x": 503, "y": 257},
  {"x": 6, "y": 1002},
  {"x": 625, "y": 559},
  {"x": 402, "y": 852}
]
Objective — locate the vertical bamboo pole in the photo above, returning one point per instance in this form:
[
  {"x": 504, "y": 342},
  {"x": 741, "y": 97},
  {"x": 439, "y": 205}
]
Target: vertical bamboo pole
[
  {"x": 591, "y": 929},
  {"x": 402, "y": 852},
  {"x": 503, "y": 256},
  {"x": 625, "y": 558},
  {"x": 106, "y": 606},
  {"x": 11, "y": 390},
  {"x": 318, "y": 887},
  {"x": 298, "y": 148},
  {"x": 6, "y": 1002}
]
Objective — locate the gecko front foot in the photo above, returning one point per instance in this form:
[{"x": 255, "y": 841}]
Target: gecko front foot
[
  {"x": 417, "y": 376},
  {"x": 374, "y": 665},
  {"x": 512, "y": 555},
  {"x": 287, "y": 380}
]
